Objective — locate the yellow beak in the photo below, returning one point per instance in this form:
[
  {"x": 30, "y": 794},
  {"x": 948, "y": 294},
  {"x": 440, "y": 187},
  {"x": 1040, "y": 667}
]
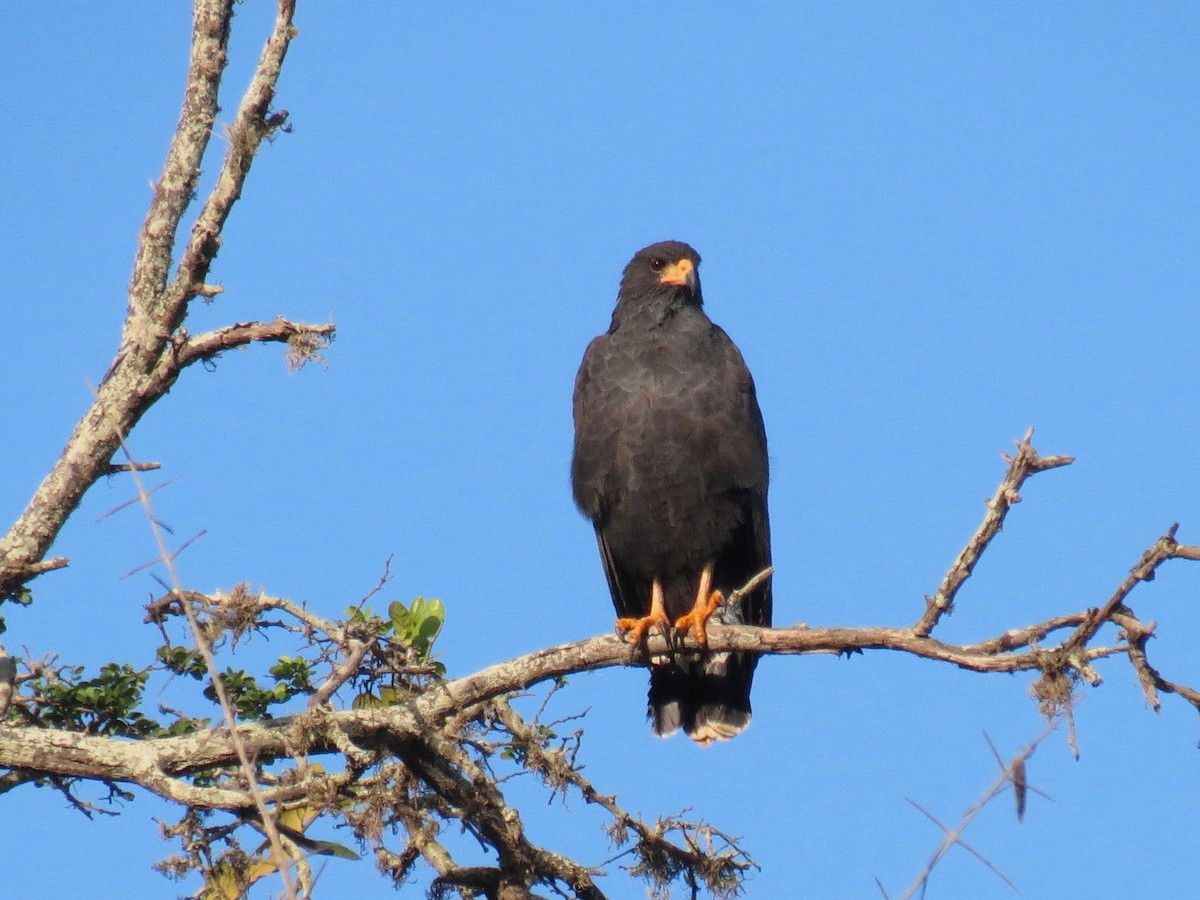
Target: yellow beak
[{"x": 679, "y": 273}]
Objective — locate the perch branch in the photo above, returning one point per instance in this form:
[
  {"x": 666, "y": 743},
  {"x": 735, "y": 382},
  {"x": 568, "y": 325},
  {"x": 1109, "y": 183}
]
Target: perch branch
[
  {"x": 425, "y": 728},
  {"x": 148, "y": 762}
]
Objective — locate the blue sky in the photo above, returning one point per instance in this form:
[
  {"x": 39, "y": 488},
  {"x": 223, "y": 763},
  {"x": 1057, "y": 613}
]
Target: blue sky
[{"x": 927, "y": 228}]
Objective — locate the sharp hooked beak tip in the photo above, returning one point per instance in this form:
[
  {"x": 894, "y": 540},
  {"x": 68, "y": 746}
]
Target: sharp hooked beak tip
[{"x": 680, "y": 274}]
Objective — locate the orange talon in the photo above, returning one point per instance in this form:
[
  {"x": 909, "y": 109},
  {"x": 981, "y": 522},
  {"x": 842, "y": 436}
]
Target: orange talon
[
  {"x": 698, "y": 618},
  {"x": 637, "y": 628},
  {"x": 707, "y": 601}
]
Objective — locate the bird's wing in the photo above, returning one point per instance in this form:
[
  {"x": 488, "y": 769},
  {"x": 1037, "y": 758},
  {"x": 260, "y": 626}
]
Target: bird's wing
[{"x": 630, "y": 596}]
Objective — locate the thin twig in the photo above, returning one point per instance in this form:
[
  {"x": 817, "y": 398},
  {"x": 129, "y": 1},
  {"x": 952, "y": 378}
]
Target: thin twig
[
  {"x": 1025, "y": 463},
  {"x": 1166, "y": 547},
  {"x": 174, "y": 556},
  {"x": 117, "y": 468},
  {"x": 135, "y": 499},
  {"x": 954, "y": 835},
  {"x": 281, "y": 858}
]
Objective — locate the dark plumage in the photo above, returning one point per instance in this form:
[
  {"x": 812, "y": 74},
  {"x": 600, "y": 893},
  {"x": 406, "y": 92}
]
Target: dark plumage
[{"x": 670, "y": 465}]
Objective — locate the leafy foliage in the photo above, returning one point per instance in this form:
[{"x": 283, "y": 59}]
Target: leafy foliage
[{"x": 104, "y": 705}]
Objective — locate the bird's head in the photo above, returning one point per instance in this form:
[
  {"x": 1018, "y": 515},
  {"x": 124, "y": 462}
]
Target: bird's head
[{"x": 666, "y": 269}]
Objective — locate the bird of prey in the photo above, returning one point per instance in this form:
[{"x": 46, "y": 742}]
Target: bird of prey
[{"x": 670, "y": 465}]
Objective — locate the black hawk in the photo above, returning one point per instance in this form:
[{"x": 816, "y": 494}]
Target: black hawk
[{"x": 670, "y": 465}]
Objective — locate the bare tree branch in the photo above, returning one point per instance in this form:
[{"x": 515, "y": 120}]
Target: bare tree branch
[
  {"x": 1013, "y": 773},
  {"x": 1025, "y": 463},
  {"x": 154, "y": 346},
  {"x": 211, "y": 343},
  {"x": 176, "y": 185},
  {"x": 422, "y": 752},
  {"x": 253, "y": 124},
  {"x": 148, "y": 762},
  {"x": 1166, "y": 547}
]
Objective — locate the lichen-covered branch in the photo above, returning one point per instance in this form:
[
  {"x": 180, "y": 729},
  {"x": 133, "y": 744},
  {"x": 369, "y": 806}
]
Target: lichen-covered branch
[
  {"x": 417, "y": 751},
  {"x": 212, "y": 343},
  {"x": 710, "y": 857},
  {"x": 72, "y": 754},
  {"x": 254, "y": 123},
  {"x": 155, "y": 347},
  {"x": 176, "y": 185}
]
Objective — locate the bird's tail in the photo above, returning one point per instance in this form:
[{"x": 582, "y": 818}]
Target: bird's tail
[{"x": 708, "y": 698}]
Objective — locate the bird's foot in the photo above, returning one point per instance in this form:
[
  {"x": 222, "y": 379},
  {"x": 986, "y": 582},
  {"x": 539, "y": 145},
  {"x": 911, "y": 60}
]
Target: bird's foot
[
  {"x": 636, "y": 629},
  {"x": 697, "y": 619}
]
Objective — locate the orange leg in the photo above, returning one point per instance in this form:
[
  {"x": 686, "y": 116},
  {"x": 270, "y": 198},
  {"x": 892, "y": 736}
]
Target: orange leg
[
  {"x": 637, "y": 628},
  {"x": 707, "y": 601}
]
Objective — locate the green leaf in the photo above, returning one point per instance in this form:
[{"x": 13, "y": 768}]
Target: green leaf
[
  {"x": 366, "y": 700},
  {"x": 358, "y": 616},
  {"x": 391, "y": 696},
  {"x": 428, "y": 629},
  {"x": 329, "y": 848},
  {"x": 402, "y": 621},
  {"x": 427, "y": 618}
]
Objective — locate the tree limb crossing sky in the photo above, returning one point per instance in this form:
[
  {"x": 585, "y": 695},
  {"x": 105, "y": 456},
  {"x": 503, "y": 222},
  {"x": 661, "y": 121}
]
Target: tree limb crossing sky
[{"x": 927, "y": 229}]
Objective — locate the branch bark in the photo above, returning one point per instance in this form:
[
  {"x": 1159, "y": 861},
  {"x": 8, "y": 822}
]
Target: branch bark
[
  {"x": 155, "y": 348},
  {"x": 1025, "y": 463},
  {"x": 147, "y": 763},
  {"x": 424, "y": 744},
  {"x": 162, "y": 765}
]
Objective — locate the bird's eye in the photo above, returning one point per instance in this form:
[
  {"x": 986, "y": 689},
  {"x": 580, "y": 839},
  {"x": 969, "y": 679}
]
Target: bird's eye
[{"x": 657, "y": 264}]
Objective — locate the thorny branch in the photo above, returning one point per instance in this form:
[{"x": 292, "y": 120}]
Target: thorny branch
[
  {"x": 155, "y": 347},
  {"x": 281, "y": 859},
  {"x": 1011, "y": 773}
]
